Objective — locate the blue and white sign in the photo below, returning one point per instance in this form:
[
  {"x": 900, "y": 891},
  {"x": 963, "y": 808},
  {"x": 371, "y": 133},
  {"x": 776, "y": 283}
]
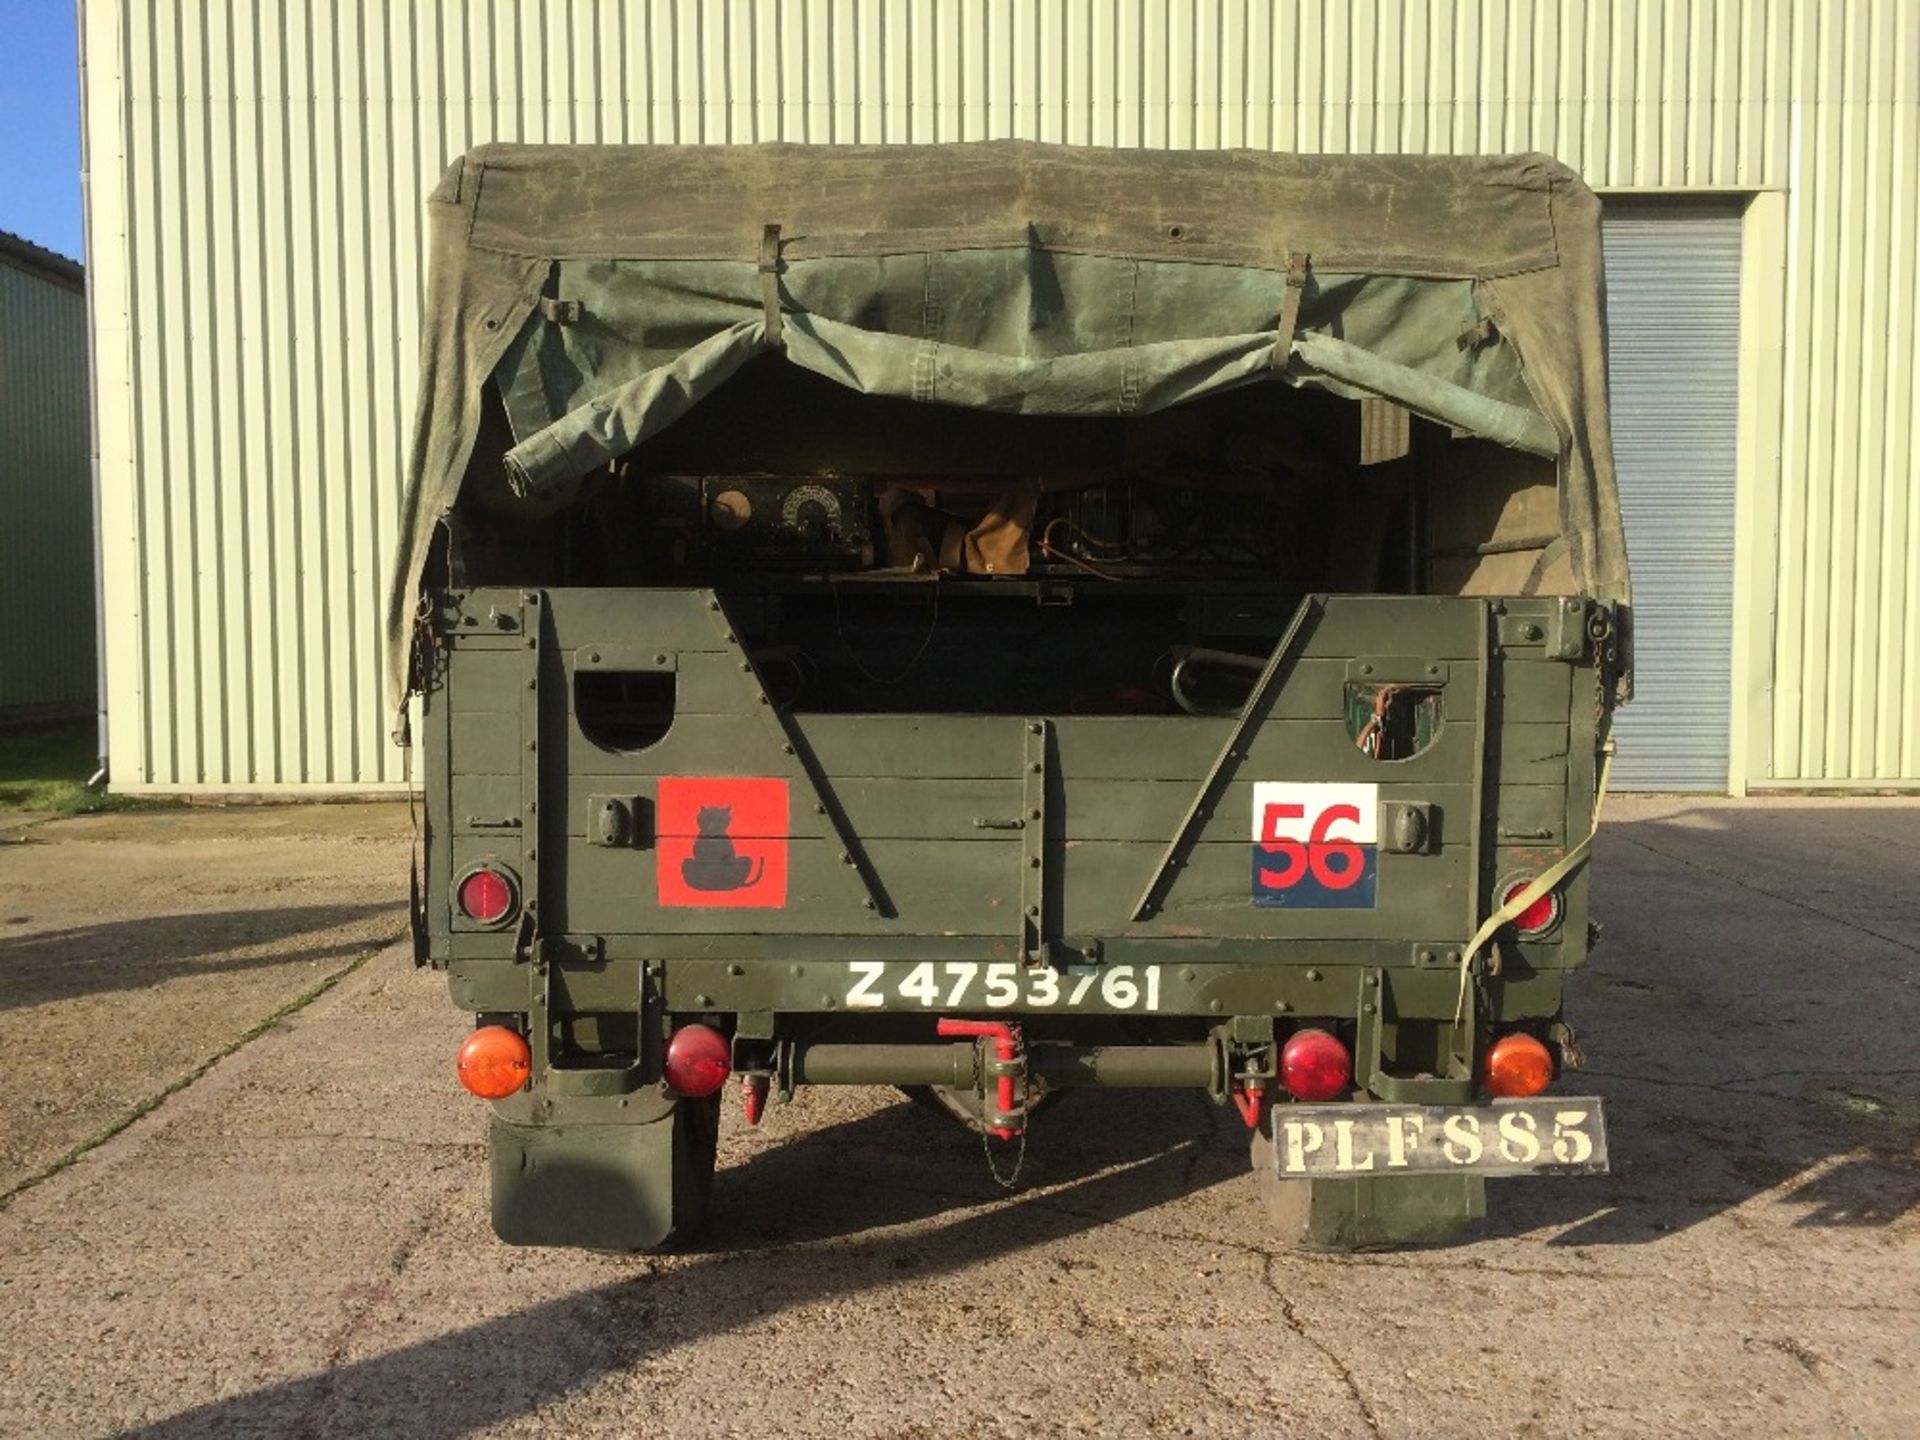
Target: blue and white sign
[{"x": 1316, "y": 845}]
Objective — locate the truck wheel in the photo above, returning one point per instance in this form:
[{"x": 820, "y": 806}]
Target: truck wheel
[
  {"x": 1342, "y": 1216},
  {"x": 964, "y": 1105}
]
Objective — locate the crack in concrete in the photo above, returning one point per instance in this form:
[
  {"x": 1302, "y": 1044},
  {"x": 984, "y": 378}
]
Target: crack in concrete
[
  {"x": 1426, "y": 1263},
  {"x": 391, "y": 1142},
  {"x": 1745, "y": 884},
  {"x": 1299, "y": 1327},
  {"x": 373, "y": 1297},
  {"x": 1733, "y": 1086}
]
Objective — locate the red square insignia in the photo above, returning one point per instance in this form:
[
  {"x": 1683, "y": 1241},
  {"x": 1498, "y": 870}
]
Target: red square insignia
[{"x": 721, "y": 842}]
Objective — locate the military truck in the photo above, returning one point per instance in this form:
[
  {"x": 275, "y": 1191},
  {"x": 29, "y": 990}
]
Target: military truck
[{"x": 1004, "y": 618}]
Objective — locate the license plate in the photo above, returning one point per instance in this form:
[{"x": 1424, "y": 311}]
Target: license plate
[
  {"x": 1564, "y": 1135},
  {"x": 959, "y": 985}
]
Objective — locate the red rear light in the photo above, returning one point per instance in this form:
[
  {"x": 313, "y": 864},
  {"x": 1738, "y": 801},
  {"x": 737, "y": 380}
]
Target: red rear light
[
  {"x": 1539, "y": 917},
  {"x": 1516, "y": 1066},
  {"x": 699, "y": 1059},
  {"x": 1314, "y": 1065},
  {"x": 494, "y": 1062},
  {"x": 488, "y": 897}
]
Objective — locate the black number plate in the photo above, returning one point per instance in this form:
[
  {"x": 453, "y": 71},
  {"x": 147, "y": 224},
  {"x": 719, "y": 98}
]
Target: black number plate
[{"x": 1562, "y": 1135}]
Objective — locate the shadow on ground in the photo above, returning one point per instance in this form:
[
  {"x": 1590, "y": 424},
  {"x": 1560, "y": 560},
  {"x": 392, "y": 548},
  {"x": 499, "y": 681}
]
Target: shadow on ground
[
  {"x": 796, "y": 1225},
  {"x": 1752, "y": 1039},
  {"x": 130, "y": 954},
  {"x": 1749, "y": 1018}
]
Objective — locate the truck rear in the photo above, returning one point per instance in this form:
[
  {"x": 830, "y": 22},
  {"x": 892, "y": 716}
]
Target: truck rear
[{"x": 1005, "y": 619}]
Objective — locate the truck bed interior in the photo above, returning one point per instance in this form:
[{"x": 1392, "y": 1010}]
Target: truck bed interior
[{"x": 885, "y": 556}]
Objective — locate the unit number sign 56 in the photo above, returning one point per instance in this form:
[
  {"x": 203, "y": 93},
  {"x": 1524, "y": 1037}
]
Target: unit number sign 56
[{"x": 1315, "y": 845}]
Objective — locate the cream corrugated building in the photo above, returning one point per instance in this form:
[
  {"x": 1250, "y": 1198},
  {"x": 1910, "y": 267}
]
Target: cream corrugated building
[{"x": 255, "y": 246}]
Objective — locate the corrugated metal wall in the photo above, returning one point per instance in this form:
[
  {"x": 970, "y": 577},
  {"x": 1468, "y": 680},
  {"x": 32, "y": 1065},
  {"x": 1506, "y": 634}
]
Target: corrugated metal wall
[
  {"x": 46, "y": 497},
  {"x": 255, "y": 215},
  {"x": 1673, "y": 373}
]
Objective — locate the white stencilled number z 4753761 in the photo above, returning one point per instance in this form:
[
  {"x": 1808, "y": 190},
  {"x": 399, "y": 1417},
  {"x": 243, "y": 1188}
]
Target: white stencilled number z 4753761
[
  {"x": 960, "y": 985},
  {"x": 863, "y": 994}
]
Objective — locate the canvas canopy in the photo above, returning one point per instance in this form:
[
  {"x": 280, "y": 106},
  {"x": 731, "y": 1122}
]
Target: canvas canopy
[{"x": 606, "y": 290}]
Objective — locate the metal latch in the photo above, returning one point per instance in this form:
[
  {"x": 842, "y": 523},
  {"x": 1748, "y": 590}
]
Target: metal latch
[
  {"x": 1408, "y": 827},
  {"x": 613, "y": 820}
]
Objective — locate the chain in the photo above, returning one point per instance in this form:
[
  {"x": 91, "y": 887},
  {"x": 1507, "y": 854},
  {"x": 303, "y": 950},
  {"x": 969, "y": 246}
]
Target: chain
[{"x": 1011, "y": 1180}]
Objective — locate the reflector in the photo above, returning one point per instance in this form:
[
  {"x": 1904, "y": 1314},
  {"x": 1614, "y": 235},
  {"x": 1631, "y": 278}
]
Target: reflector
[
  {"x": 1538, "y": 917},
  {"x": 1516, "y": 1066},
  {"x": 494, "y": 1062},
  {"x": 486, "y": 896},
  {"x": 699, "y": 1059},
  {"x": 1314, "y": 1065}
]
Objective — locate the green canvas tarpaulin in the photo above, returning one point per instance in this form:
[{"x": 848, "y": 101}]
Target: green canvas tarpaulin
[{"x": 606, "y": 290}]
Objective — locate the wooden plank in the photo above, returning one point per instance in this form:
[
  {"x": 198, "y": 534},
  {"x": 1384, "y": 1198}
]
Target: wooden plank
[
  {"x": 1531, "y": 814},
  {"x": 1535, "y": 690},
  {"x": 945, "y": 889},
  {"x": 483, "y": 742},
  {"x": 665, "y": 618},
  {"x": 1091, "y": 748},
  {"x": 482, "y": 802},
  {"x": 921, "y": 808},
  {"x": 1211, "y": 894},
  {"x": 1439, "y": 627},
  {"x": 489, "y": 679},
  {"x": 712, "y": 683}
]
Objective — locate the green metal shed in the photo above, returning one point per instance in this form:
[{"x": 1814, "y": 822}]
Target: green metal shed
[{"x": 46, "y": 487}]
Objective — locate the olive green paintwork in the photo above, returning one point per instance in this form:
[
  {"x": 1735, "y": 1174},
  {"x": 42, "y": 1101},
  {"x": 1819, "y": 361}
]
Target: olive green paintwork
[
  {"x": 909, "y": 808},
  {"x": 900, "y": 852}
]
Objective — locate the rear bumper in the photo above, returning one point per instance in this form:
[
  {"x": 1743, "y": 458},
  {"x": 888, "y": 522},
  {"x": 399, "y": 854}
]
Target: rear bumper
[{"x": 1411, "y": 981}]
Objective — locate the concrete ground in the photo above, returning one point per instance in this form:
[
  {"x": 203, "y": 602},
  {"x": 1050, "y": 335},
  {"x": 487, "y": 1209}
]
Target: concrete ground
[
  {"x": 296, "y": 1242},
  {"x": 135, "y": 947}
]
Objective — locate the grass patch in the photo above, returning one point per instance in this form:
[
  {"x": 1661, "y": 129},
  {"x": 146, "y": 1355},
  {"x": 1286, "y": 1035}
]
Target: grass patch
[{"x": 46, "y": 767}]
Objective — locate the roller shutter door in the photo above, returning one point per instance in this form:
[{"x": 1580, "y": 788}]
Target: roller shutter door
[{"x": 1673, "y": 323}]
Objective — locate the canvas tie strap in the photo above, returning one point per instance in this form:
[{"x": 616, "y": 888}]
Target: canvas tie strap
[
  {"x": 1299, "y": 266},
  {"x": 770, "y": 284},
  {"x": 1534, "y": 888}
]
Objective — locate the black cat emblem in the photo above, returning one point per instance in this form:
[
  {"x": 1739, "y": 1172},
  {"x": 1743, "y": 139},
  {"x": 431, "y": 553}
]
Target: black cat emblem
[{"x": 714, "y": 864}]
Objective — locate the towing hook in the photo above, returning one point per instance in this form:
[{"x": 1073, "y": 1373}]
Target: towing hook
[
  {"x": 1248, "y": 1098},
  {"x": 1006, "y": 1051},
  {"x": 753, "y": 1096}
]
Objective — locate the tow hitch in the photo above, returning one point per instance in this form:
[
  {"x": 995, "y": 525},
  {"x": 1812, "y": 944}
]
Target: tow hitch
[{"x": 1003, "y": 1114}]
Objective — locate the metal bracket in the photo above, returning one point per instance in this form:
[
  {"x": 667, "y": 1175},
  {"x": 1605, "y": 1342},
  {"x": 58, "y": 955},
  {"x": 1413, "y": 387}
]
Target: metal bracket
[
  {"x": 1566, "y": 637},
  {"x": 1366, "y": 1033},
  {"x": 1234, "y": 749},
  {"x": 539, "y": 1014},
  {"x": 1477, "y": 879},
  {"x": 1436, "y": 954},
  {"x": 1254, "y": 1051},
  {"x": 530, "y": 774},
  {"x": 793, "y": 743},
  {"x": 1033, "y": 846},
  {"x": 1405, "y": 670},
  {"x": 783, "y": 1057},
  {"x": 624, "y": 657}
]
